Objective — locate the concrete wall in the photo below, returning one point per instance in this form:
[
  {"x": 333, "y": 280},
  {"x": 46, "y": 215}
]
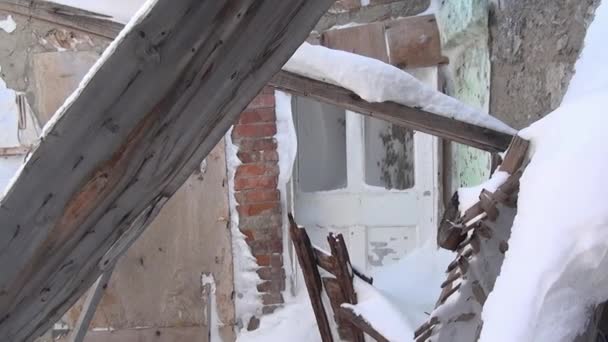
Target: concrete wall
[{"x": 534, "y": 47}]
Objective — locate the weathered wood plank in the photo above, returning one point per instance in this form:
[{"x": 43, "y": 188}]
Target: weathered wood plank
[
  {"x": 91, "y": 23},
  {"x": 90, "y": 306},
  {"x": 358, "y": 321},
  {"x": 14, "y": 151},
  {"x": 312, "y": 278},
  {"x": 344, "y": 276},
  {"x": 163, "y": 98},
  {"x": 416, "y": 119}
]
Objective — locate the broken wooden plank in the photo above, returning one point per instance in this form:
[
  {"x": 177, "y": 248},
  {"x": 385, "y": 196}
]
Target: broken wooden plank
[
  {"x": 413, "y": 118},
  {"x": 90, "y": 306},
  {"x": 312, "y": 278},
  {"x": 358, "y": 321},
  {"x": 14, "y": 151},
  {"x": 344, "y": 277},
  {"x": 78, "y": 19},
  {"x": 414, "y": 42},
  {"x": 164, "y": 96},
  {"x": 336, "y": 299}
]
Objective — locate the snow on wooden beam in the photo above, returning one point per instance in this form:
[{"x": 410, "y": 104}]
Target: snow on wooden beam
[
  {"x": 161, "y": 98},
  {"x": 417, "y": 119},
  {"x": 413, "y": 118}
]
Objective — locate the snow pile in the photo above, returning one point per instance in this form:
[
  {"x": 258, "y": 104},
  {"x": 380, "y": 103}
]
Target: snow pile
[
  {"x": 376, "y": 81},
  {"x": 295, "y": 322},
  {"x": 556, "y": 269},
  {"x": 402, "y": 295},
  {"x": 9, "y": 137},
  {"x": 468, "y": 197},
  {"x": 557, "y": 266},
  {"x": 287, "y": 148},
  {"x": 380, "y": 313},
  {"x": 247, "y": 301},
  {"x": 413, "y": 283}
]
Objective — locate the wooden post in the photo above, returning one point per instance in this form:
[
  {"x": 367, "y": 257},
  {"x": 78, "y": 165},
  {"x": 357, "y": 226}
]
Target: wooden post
[
  {"x": 359, "y": 322},
  {"x": 90, "y": 306},
  {"x": 312, "y": 278}
]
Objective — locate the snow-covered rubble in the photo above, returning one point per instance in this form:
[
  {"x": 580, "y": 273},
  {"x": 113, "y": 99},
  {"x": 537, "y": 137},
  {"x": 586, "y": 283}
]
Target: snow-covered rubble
[
  {"x": 556, "y": 269},
  {"x": 376, "y": 81}
]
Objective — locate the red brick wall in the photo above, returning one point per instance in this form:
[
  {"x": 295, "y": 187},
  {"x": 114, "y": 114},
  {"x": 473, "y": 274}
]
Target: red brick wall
[{"x": 257, "y": 196}]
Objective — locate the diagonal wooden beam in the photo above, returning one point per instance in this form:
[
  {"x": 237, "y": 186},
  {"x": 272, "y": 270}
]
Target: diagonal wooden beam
[
  {"x": 397, "y": 114},
  {"x": 165, "y": 94}
]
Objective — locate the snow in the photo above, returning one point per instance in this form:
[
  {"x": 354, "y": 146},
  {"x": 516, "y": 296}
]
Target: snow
[
  {"x": 413, "y": 283},
  {"x": 247, "y": 301},
  {"x": 402, "y": 295},
  {"x": 8, "y": 24},
  {"x": 376, "y": 81},
  {"x": 118, "y": 10},
  {"x": 467, "y": 197},
  {"x": 287, "y": 148},
  {"x": 556, "y": 269},
  {"x": 380, "y": 313},
  {"x": 591, "y": 73},
  {"x": 9, "y": 114}
]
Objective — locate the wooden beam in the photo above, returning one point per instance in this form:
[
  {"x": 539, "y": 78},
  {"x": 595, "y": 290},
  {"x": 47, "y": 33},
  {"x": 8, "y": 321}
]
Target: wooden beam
[
  {"x": 14, "y": 151},
  {"x": 413, "y": 118},
  {"x": 74, "y": 18},
  {"x": 164, "y": 96},
  {"x": 90, "y": 306},
  {"x": 312, "y": 278},
  {"x": 360, "y": 322}
]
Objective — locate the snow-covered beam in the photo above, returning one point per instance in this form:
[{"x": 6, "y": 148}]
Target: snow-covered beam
[
  {"x": 417, "y": 119},
  {"x": 162, "y": 96},
  {"x": 413, "y": 117}
]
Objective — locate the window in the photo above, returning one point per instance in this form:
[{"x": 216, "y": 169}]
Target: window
[
  {"x": 321, "y": 145},
  {"x": 389, "y": 155}
]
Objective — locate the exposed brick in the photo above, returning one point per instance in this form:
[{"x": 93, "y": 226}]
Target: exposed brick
[
  {"x": 253, "y": 324},
  {"x": 272, "y": 298},
  {"x": 271, "y": 273},
  {"x": 268, "y": 309},
  {"x": 249, "y": 234},
  {"x": 261, "y": 169},
  {"x": 258, "y": 115},
  {"x": 259, "y": 209},
  {"x": 263, "y": 100},
  {"x": 272, "y": 286},
  {"x": 253, "y": 196},
  {"x": 256, "y": 144},
  {"x": 275, "y": 260},
  {"x": 255, "y": 130},
  {"x": 267, "y": 90},
  {"x": 274, "y": 220},
  {"x": 260, "y": 182},
  {"x": 262, "y": 247},
  {"x": 258, "y": 156}
]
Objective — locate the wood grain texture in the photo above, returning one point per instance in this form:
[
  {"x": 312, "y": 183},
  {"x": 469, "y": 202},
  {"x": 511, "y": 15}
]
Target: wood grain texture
[
  {"x": 413, "y": 118},
  {"x": 160, "y": 102},
  {"x": 88, "y": 22}
]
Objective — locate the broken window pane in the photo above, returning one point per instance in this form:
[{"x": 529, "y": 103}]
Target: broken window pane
[
  {"x": 389, "y": 155},
  {"x": 321, "y": 145}
]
